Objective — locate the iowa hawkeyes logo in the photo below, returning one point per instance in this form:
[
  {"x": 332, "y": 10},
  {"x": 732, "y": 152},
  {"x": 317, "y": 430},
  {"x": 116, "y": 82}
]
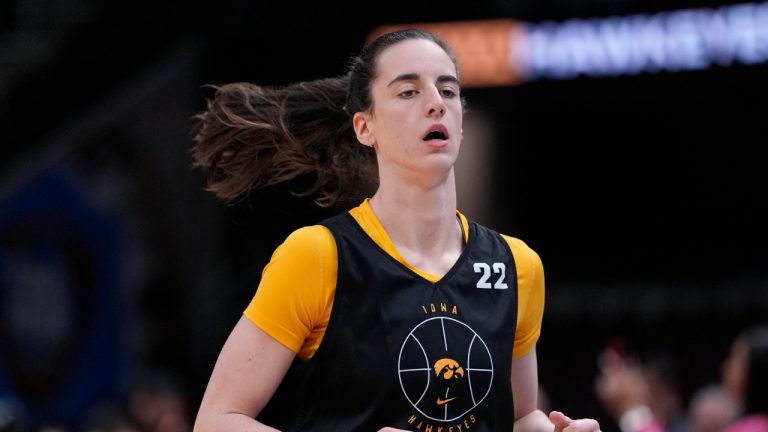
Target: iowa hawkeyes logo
[
  {"x": 448, "y": 368},
  {"x": 445, "y": 368}
]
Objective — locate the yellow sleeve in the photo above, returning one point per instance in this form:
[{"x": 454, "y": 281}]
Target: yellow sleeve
[
  {"x": 530, "y": 296},
  {"x": 294, "y": 297}
]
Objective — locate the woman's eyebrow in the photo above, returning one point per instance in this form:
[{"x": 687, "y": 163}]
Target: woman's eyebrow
[
  {"x": 447, "y": 78},
  {"x": 415, "y": 77},
  {"x": 404, "y": 77}
]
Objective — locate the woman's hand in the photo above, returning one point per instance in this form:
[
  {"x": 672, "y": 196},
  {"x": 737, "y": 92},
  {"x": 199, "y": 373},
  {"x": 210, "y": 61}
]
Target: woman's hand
[{"x": 565, "y": 424}]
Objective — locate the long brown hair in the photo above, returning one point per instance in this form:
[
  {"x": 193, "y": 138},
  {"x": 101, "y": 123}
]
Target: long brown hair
[{"x": 251, "y": 137}]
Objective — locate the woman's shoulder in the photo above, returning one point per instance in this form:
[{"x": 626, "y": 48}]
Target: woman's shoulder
[
  {"x": 517, "y": 244},
  {"x": 521, "y": 250},
  {"x": 309, "y": 233},
  {"x": 310, "y": 239}
]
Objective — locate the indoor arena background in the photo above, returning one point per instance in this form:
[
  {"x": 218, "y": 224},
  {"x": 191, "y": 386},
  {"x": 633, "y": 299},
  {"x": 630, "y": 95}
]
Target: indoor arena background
[{"x": 639, "y": 180}]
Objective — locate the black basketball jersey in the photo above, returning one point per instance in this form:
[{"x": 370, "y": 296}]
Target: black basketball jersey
[{"x": 405, "y": 352}]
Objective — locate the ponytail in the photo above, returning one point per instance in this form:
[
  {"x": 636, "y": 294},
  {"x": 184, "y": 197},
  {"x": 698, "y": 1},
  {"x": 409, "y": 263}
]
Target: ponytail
[{"x": 251, "y": 137}]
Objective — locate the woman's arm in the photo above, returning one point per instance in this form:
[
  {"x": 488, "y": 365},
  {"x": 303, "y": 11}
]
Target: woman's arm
[
  {"x": 249, "y": 369},
  {"x": 525, "y": 388}
]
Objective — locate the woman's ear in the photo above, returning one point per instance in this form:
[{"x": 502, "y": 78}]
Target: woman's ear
[{"x": 360, "y": 121}]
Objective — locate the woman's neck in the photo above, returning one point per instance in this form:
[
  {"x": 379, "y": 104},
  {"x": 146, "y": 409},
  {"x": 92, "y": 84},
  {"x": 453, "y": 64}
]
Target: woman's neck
[{"x": 421, "y": 222}]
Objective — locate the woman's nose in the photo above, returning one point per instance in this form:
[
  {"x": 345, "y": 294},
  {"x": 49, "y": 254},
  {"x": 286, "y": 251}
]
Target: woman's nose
[
  {"x": 437, "y": 109},
  {"x": 436, "y": 104}
]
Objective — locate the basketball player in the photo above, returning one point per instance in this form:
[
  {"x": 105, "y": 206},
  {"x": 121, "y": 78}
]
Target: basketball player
[{"x": 399, "y": 315}]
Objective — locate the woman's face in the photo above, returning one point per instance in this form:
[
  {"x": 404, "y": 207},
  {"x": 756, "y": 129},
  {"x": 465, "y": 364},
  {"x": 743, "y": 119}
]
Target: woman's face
[{"x": 415, "y": 122}]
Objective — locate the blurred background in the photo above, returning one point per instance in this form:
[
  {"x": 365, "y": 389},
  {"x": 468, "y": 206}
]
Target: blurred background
[{"x": 641, "y": 183}]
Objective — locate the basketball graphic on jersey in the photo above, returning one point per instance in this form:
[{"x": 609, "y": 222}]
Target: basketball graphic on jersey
[{"x": 445, "y": 368}]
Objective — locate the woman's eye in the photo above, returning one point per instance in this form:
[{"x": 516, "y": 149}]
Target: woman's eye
[
  {"x": 408, "y": 93},
  {"x": 448, "y": 92}
]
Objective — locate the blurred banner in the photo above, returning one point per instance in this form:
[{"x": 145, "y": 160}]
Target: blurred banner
[{"x": 508, "y": 52}]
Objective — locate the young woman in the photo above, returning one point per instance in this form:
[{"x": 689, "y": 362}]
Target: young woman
[{"x": 400, "y": 314}]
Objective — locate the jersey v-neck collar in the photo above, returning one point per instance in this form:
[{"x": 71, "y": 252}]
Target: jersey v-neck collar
[{"x": 372, "y": 227}]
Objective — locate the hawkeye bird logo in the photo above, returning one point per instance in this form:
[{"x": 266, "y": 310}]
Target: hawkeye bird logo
[{"x": 448, "y": 368}]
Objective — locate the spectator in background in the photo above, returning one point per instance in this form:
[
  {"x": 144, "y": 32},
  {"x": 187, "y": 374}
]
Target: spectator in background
[
  {"x": 745, "y": 376},
  {"x": 711, "y": 408},
  {"x": 640, "y": 396},
  {"x": 106, "y": 416},
  {"x": 662, "y": 372},
  {"x": 158, "y": 404}
]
